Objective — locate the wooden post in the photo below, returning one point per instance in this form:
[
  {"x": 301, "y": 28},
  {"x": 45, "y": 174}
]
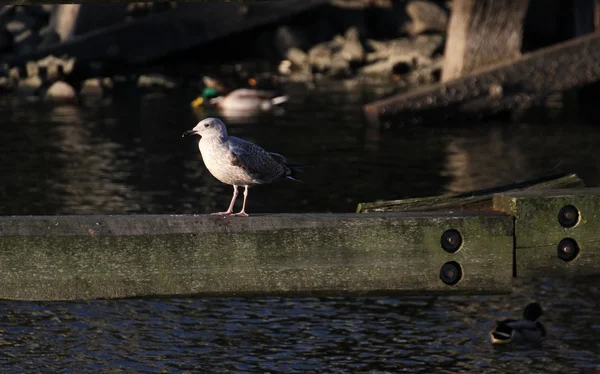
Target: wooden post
[
  {"x": 481, "y": 33},
  {"x": 557, "y": 232},
  {"x": 84, "y": 257}
]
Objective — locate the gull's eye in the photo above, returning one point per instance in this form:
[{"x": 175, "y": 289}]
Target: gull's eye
[{"x": 207, "y": 125}]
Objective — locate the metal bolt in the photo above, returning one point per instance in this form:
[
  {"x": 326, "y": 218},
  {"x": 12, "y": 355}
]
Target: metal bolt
[
  {"x": 567, "y": 249},
  {"x": 451, "y": 273},
  {"x": 568, "y": 216},
  {"x": 451, "y": 240}
]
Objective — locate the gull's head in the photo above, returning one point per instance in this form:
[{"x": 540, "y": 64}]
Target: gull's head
[{"x": 208, "y": 127}]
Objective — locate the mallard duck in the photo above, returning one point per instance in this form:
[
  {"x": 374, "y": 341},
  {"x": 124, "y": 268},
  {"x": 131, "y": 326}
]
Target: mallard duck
[
  {"x": 527, "y": 330},
  {"x": 248, "y": 100}
]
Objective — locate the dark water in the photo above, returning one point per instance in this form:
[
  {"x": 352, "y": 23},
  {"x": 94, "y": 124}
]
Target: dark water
[
  {"x": 293, "y": 335},
  {"x": 126, "y": 155}
]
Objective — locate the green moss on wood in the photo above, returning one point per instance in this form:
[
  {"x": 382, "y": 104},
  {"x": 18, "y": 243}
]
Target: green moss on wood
[
  {"x": 280, "y": 254},
  {"x": 538, "y": 231},
  {"x": 474, "y": 200}
]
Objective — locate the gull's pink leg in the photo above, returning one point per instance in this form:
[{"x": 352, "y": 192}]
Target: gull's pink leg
[
  {"x": 228, "y": 212},
  {"x": 242, "y": 212}
]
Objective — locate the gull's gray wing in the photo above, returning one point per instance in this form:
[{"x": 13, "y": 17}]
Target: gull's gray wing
[
  {"x": 255, "y": 161},
  {"x": 279, "y": 158}
]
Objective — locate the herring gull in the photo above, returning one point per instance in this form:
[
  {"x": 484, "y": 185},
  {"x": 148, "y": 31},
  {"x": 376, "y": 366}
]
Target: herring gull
[{"x": 238, "y": 162}]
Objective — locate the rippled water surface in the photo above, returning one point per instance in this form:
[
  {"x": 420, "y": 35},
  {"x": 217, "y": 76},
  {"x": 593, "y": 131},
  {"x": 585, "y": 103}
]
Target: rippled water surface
[
  {"x": 126, "y": 155},
  {"x": 310, "y": 335}
]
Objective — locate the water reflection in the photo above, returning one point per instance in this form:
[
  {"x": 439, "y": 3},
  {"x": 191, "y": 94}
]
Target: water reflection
[{"x": 126, "y": 154}]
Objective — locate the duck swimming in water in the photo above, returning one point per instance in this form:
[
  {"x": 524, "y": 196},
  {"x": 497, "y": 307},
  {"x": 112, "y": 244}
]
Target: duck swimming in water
[
  {"x": 237, "y": 102},
  {"x": 248, "y": 100},
  {"x": 527, "y": 330}
]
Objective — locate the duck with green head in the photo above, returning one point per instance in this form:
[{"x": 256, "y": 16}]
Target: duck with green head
[
  {"x": 237, "y": 102},
  {"x": 527, "y": 330}
]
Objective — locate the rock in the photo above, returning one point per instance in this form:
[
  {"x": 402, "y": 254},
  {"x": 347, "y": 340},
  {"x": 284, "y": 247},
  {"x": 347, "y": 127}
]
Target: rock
[
  {"x": 56, "y": 67},
  {"x": 6, "y": 84},
  {"x": 32, "y": 69},
  {"x": 60, "y": 91},
  {"x": 426, "y": 16},
  {"x": 319, "y": 56},
  {"x": 381, "y": 68},
  {"x": 420, "y": 46},
  {"x": 91, "y": 87},
  {"x": 352, "y": 49},
  {"x": 15, "y": 27},
  {"x": 297, "y": 57},
  {"x": 156, "y": 80},
  {"x": 29, "y": 86},
  {"x": 428, "y": 74},
  {"x": 339, "y": 68},
  {"x": 285, "y": 67},
  {"x": 296, "y": 63},
  {"x": 428, "y": 45}
]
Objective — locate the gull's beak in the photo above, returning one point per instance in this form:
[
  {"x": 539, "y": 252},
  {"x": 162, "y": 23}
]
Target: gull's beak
[{"x": 188, "y": 132}]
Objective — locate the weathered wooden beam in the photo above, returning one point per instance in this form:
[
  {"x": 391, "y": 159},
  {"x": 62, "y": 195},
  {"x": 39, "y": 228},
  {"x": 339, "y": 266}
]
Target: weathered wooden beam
[
  {"x": 83, "y": 257},
  {"x": 512, "y": 84},
  {"x": 482, "y": 32},
  {"x": 474, "y": 200},
  {"x": 557, "y": 232},
  {"x": 159, "y": 34}
]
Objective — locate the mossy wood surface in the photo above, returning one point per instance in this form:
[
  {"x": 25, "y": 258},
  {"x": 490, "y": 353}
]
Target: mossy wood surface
[
  {"x": 85, "y": 257},
  {"x": 474, "y": 200},
  {"x": 538, "y": 231}
]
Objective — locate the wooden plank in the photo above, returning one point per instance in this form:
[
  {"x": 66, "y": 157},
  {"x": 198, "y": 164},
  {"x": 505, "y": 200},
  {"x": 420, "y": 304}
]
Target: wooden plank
[
  {"x": 538, "y": 230},
  {"x": 512, "y": 84},
  {"x": 482, "y": 32},
  {"x": 474, "y": 200},
  {"x": 83, "y": 257},
  {"x": 159, "y": 34}
]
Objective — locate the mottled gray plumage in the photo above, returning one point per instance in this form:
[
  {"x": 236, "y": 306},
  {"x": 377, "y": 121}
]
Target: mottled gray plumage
[{"x": 238, "y": 162}]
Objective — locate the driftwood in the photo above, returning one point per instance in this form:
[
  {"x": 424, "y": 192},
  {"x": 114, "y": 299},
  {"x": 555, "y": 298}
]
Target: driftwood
[
  {"x": 475, "y": 200},
  {"x": 509, "y": 85}
]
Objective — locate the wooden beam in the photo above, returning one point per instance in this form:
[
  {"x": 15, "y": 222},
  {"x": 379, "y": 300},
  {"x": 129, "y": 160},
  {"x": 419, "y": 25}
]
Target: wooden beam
[
  {"x": 473, "y": 200},
  {"x": 84, "y": 257},
  {"x": 513, "y": 84},
  {"x": 538, "y": 230},
  {"x": 159, "y": 34}
]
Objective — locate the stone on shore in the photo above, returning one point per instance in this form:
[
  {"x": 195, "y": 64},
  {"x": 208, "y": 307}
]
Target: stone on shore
[{"x": 426, "y": 16}]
